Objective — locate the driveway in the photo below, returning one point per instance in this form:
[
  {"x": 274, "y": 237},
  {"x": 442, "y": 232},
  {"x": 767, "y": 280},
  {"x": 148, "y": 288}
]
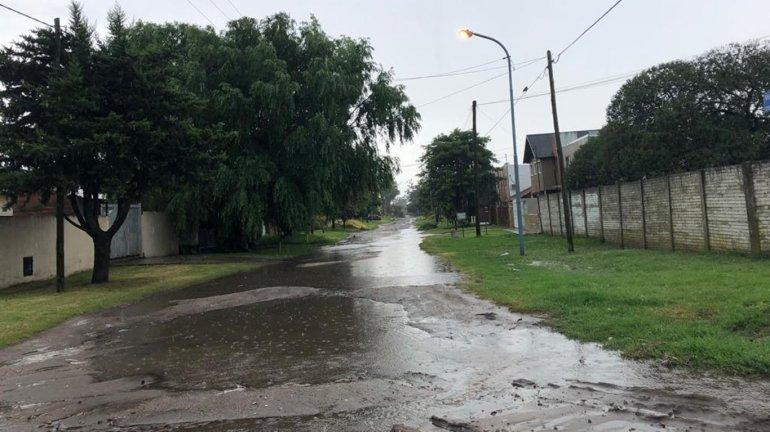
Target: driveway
[{"x": 364, "y": 336}]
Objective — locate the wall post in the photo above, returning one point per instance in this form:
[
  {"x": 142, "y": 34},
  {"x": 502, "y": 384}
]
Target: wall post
[
  {"x": 704, "y": 211},
  {"x": 620, "y": 216},
  {"x": 585, "y": 212},
  {"x": 550, "y": 222},
  {"x": 670, "y": 213},
  {"x": 751, "y": 207},
  {"x": 539, "y": 214},
  {"x": 558, "y": 210},
  {"x": 644, "y": 215},
  {"x": 572, "y": 215},
  {"x": 601, "y": 211}
]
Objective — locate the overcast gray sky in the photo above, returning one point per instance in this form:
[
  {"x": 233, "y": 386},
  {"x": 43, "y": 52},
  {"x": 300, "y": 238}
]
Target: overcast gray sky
[{"x": 420, "y": 37}]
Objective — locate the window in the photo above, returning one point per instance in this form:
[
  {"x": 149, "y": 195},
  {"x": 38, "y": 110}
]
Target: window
[{"x": 27, "y": 266}]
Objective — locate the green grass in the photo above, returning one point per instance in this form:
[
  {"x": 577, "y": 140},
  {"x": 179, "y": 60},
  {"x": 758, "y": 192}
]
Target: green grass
[
  {"x": 703, "y": 311},
  {"x": 304, "y": 243},
  {"x": 32, "y": 307},
  {"x": 29, "y": 308}
]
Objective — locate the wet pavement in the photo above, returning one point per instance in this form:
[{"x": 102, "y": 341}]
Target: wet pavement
[{"x": 363, "y": 336}]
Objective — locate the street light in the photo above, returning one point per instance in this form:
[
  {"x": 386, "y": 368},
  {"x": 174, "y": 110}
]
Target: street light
[{"x": 467, "y": 34}]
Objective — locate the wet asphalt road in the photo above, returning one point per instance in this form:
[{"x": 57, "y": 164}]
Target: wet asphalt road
[{"x": 364, "y": 336}]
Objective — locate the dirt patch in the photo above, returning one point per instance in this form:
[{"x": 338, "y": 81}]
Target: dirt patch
[{"x": 226, "y": 301}]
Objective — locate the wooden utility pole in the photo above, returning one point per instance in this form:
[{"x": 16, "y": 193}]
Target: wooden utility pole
[
  {"x": 60, "y": 193},
  {"x": 560, "y": 160},
  {"x": 476, "y": 171}
]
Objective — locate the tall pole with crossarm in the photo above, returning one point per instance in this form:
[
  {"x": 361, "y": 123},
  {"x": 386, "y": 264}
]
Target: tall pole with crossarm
[{"x": 520, "y": 220}]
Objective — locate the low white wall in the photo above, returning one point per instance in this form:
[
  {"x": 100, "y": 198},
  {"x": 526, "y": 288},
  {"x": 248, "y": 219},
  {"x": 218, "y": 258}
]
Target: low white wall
[
  {"x": 159, "y": 236},
  {"x": 35, "y": 236}
]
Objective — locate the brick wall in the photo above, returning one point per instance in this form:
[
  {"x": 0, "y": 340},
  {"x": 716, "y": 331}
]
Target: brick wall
[
  {"x": 714, "y": 209},
  {"x": 726, "y": 204},
  {"x": 578, "y": 222},
  {"x": 631, "y": 194},
  {"x": 656, "y": 213},
  {"x": 592, "y": 211},
  {"x": 762, "y": 194},
  {"x": 686, "y": 211},
  {"x": 611, "y": 213}
]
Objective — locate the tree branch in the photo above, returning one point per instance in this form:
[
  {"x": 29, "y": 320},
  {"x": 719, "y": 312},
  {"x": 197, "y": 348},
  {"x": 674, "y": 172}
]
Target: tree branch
[
  {"x": 124, "y": 206},
  {"x": 75, "y": 224},
  {"x": 78, "y": 213}
]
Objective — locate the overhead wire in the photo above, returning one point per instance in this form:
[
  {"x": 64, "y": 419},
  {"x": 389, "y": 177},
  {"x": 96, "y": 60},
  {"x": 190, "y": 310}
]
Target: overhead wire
[
  {"x": 473, "y": 69},
  {"x": 25, "y": 15},
  {"x": 220, "y": 10},
  {"x": 558, "y": 56},
  {"x": 588, "y": 84},
  {"x": 442, "y": 75},
  {"x": 201, "y": 12},
  {"x": 234, "y": 7},
  {"x": 462, "y": 90}
]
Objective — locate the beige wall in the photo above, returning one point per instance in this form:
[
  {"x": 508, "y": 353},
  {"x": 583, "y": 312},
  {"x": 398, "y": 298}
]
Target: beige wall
[
  {"x": 159, "y": 237},
  {"x": 35, "y": 236}
]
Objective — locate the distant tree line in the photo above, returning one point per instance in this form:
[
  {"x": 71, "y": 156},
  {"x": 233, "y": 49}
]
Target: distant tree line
[
  {"x": 446, "y": 179},
  {"x": 682, "y": 116},
  {"x": 268, "y": 123}
]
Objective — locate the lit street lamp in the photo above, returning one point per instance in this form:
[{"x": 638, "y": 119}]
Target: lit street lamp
[{"x": 468, "y": 34}]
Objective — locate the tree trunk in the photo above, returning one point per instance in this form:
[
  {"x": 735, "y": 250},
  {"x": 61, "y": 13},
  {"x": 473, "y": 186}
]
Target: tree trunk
[
  {"x": 101, "y": 273},
  {"x": 59, "y": 240}
]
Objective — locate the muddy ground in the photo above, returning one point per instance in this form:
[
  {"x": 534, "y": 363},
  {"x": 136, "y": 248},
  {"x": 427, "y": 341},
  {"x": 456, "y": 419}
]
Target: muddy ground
[{"x": 361, "y": 337}]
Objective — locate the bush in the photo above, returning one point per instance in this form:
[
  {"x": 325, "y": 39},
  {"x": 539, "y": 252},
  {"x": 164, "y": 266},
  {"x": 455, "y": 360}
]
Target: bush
[{"x": 426, "y": 225}]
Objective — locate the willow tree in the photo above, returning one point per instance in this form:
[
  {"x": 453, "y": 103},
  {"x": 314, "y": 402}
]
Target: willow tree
[{"x": 303, "y": 114}]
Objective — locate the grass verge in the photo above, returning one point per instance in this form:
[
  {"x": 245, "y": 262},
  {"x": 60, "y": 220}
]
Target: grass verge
[
  {"x": 32, "y": 307},
  {"x": 703, "y": 311},
  {"x": 29, "y": 308},
  {"x": 304, "y": 243}
]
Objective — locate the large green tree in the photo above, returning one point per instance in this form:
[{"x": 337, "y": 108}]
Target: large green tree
[
  {"x": 302, "y": 115},
  {"x": 447, "y": 173},
  {"x": 682, "y": 116},
  {"x": 112, "y": 124}
]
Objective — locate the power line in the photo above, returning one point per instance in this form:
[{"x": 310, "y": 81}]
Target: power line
[
  {"x": 236, "y": 9},
  {"x": 220, "y": 10},
  {"x": 473, "y": 69},
  {"x": 581, "y": 86},
  {"x": 25, "y": 15},
  {"x": 442, "y": 75},
  {"x": 558, "y": 56},
  {"x": 497, "y": 122},
  {"x": 201, "y": 12},
  {"x": 463, "y": 89},
  {"x": 538, "y": 78},
  {"x": 467, "y": 118},
  {"x": 452, "y": 72}
]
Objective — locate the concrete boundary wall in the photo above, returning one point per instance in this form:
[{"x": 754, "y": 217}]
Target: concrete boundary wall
[
  {"x": 35, "y": 236},
  {"x": 716, "y": 209}
]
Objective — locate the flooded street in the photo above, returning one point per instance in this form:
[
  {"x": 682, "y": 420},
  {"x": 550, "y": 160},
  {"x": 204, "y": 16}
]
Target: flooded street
[{"x": 363, "y": 336}]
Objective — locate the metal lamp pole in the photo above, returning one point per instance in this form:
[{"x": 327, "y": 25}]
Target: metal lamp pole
[{"x": 468, "y": 33}]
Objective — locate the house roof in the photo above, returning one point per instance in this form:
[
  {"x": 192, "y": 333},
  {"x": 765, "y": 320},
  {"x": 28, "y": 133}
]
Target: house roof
[
  {"x": 539, "y": 146},
  {"x": 32, "y": 205}
]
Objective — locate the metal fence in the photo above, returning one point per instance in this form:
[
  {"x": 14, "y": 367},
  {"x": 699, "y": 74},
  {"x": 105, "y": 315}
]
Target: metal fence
[{"x": 128, "y": 240}]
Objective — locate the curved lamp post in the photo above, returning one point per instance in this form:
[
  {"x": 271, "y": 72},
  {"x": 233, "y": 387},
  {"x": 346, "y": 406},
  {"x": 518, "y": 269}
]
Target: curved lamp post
[{"x": 468, "y": 34}]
